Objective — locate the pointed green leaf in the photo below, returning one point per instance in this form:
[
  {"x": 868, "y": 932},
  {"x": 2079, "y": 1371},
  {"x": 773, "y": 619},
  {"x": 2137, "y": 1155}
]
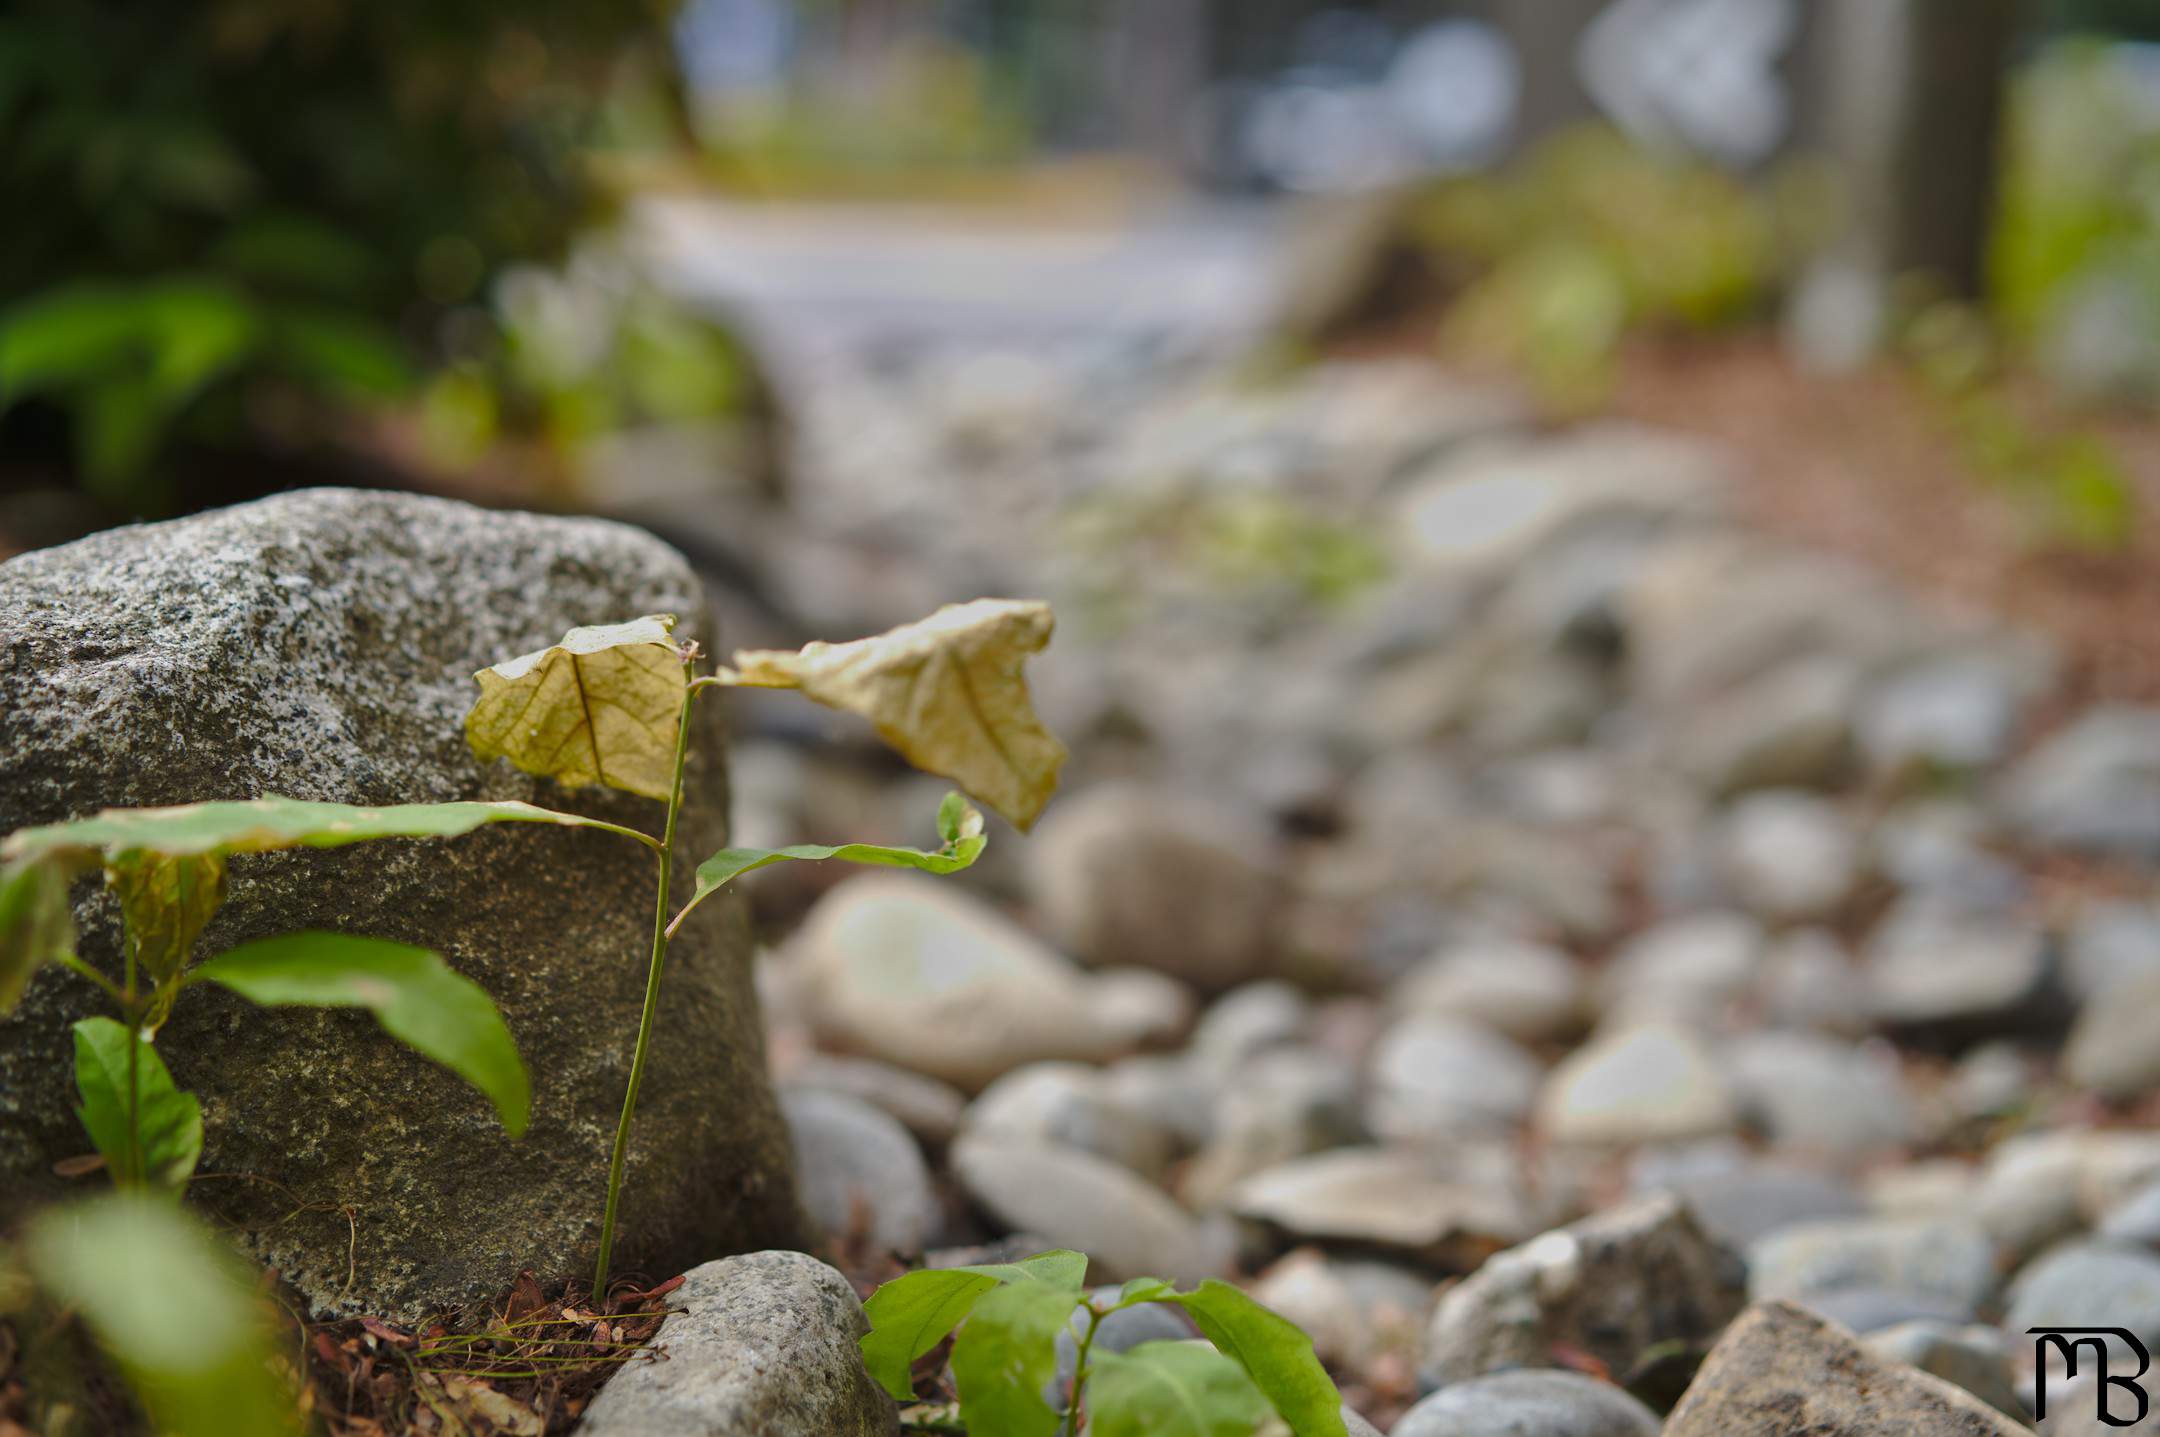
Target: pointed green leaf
[
  {"x": 911, "y": 1314},
  {"x": 958, "y": 824},
  {"x": 1273, "y": 1351},
  {"x": 172, "y": 1306},
  {"x": 417, "y": 998},
  {"x": 166, "y": 901},
  {"x": 1006, "y": 1356},
  {"x": 1171, "y": 1389},
  {"x": 258, "y": 825},
  {"x": 168, "y": 1122},
  {"x": 602, "y": 706},
  {"x": 36, "y": 924}
]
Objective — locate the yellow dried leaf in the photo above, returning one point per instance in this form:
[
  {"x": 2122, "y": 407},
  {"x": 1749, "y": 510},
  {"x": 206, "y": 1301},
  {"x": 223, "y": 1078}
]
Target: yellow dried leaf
[
  {"x": 948, "y": 692},
  {"x": 599, "y": 707},
  {"x": 167, "y": 901}
]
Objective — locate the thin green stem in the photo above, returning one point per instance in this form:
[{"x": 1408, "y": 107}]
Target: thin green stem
[
  {"x": 652, "y": 1003},
  {"x": 1080, "y": 1372}
]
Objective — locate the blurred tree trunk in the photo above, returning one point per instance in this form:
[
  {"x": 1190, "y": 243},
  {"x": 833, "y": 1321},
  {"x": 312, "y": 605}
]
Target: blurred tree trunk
[
  {"x": 1907, "y": 96},
  {"x": 1547, "y": 36}
]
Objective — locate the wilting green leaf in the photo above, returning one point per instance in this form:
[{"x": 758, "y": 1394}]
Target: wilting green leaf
[
  {"x": 1274, "y": 1352},
  {"x": 259, "y": 825},
  {"x": 1171, "y": 1389},
  {"x": 958, "y": 824},
  {"x": 1006, "y": 1355},
  {"x": 36, "y": 924},
  {"x": 948, "y": 692},
  {"x": 166, "y": 901},
  {"x": 911, "y": 1314},
  {"x": 173, "y": 1309},
  {"x": 168, "y": 1122},
  {"x": 416, "y": 997},
  {"x": 602, "y": 706}
]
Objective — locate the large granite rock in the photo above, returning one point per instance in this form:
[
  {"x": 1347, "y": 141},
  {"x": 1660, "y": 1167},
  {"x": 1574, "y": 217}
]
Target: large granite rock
[
  {"x": 1781, "y": 1370},
  {"x": 763, "y": 1345},
  {"x": 321, "y": 645}
]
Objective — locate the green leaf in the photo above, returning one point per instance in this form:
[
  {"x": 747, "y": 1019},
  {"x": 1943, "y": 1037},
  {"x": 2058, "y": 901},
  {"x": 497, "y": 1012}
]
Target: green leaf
[
  {"x": 1143, "y": 1289},
  {"x": 168, "y": 1122},
  {"x": 1171, "y": 1389},
  {"x": 1274, "y": 1352},
  {"x": 166, "y": 901},
  {"x": 417, "y": 998},
  {"x": 260, "y": 825},
  {"x": 911, "y": 1314},
  {"x": 958, "y": 824},
  {"x": 602, "y": 706},
  {"x": 172, "y": 1307},
  {"x": 1006, "y": 1356},
  {"x": 36, "y": 924}
]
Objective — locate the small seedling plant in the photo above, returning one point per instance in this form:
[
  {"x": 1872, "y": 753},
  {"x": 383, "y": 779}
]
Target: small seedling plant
[
  {"x": 1004, "y": 1358},
  {"x": 609, "y": 705}
]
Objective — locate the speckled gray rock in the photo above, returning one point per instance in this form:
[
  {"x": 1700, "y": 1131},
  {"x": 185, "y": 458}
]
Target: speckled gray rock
[
  {"x": 1529, "y": 1404},
  {"x": 764, "y": 1346},
  {"x": 1781, "y": 1370},
  {"x": 321, "y": 645},
  {"x": 1616, "y": 1286}
]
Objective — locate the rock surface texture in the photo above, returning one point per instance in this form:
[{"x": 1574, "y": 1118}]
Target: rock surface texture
[
  {"x": 321, "y": 645},
  {"x": 764, "y": 1346},
  {"x": 1782, "y": 1370}
]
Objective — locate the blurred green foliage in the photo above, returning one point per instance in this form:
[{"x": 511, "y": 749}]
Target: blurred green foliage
[
  {"x": 1590, "y": 237},
  {"x": 234, "y": 219}
]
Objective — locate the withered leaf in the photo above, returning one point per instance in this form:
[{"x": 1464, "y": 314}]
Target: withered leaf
[
  {"x": 949, "y": 692},
  {"x": 599, "y": 707},
  {"x": 167, "y": 899}
]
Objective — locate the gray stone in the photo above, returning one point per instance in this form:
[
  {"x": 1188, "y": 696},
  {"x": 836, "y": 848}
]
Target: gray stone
[
  {"x": 1529, "y": 1404},
  {"x": 1790, "y": 856},
  {"x": 1938, "y": 848},
  {"x": 1942, "y": 974},
  {"x": 1177, "y": 1092},
  {"x": 1955, "y": 713},
  {"x": 1449, "y": 1205},
  {"x": 1808, "y": 981},
  {"x": 1065, "y": 1104},
  {"x": 1439, "y": 1077},
  {"x": 2136, "y": 1219},
  {"x": 321, "y": 645},
  {"x": 1124, "y": 874},
  {"x": 1781, "y": 1370},
  {"x": 1126, "y": 1225},
  {"x": 917, "y": 972},
  {"x": 1281, "y": 1105},
  {"x": 860, "y": 1173},
  {"x": 1820, "y": 1095},
  {"x": 2085, "y": 1284},
  {"x": 1946, "y": 1260},
  {"x": 1973, "y": 1357},
  {"x": 2110, "y": 942},
  {"x": 925, "y": 1107},
  {"x": 1615, "y": 1286},
  {"x": 1249, "y": 1020},
  {"x": 1654, "y": 1083},
  {"x": 1741, "y": 1205},
  {"x": 2114, "y": 1048},
  {"x": 1527, "y": 991},
  {"x": 1353, "y": 1309},
  {"x": 2094, "y": 786},
  {"x": 1690, "y": 969},
  {"x": 2038, "y": 1187},
  {"x": 1789, "y": 728},
  {"x": 764, "y": 1345}
]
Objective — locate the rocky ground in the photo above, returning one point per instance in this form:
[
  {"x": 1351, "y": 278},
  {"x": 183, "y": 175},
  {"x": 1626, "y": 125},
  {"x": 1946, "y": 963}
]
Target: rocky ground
[{"x": 1532, "y": 926}]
